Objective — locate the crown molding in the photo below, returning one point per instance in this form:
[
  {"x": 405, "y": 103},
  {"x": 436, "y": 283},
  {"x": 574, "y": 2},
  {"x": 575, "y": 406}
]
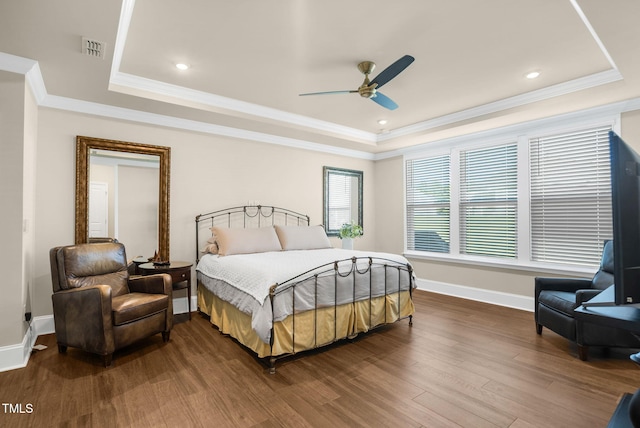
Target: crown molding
[
  {"x": 31, "y": 70},
  {"x": 557, "y": 90},
  {"x": 102, "y": 110},
  {"x": 135, "y": 85},
  {"x": 121, "y": 82},
  {"x": 593, "y": 33},
  {"x": 27, "y": 67},
  {"x": 34, "y": 77},
  {"x": 609, "y": 112},
  {"x": 126, "y": 12},
  {"x": 16, "y": 64}
]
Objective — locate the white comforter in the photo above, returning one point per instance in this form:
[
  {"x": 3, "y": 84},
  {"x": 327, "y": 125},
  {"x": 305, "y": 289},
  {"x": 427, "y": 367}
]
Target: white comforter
[{"x": 244, "y": 280}]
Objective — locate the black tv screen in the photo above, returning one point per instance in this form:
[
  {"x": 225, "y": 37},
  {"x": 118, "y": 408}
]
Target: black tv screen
[{"x": 625, "y": 197}]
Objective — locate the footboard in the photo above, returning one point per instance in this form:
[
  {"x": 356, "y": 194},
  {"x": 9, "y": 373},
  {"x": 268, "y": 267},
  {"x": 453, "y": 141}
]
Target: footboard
[{"x": 340, "y": 300}]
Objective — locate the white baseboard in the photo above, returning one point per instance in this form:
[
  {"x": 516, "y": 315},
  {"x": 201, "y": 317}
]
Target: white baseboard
[
  {"x": 17, "y": 356},
  {"x": 43, "y": 325},
  {"x": 499, "y": 298}
]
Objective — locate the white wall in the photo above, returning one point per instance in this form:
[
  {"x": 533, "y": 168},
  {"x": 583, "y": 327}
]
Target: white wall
[
  {"x": 138, "y": 190},
  {"x": 11, "y": 194},
  {"x": 207, "y": 173},
  {"x": 37, "y": 176},
  {"x": 29, "y": 200},
  {"x": 210, "y": 172},
  {"x": 18, "y": 116}
]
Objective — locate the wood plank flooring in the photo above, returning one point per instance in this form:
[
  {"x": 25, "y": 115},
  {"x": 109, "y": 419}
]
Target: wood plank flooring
[{"x": 463, "y": 363}]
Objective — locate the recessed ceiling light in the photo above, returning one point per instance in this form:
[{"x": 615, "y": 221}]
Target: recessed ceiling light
[
  {"x": 382, "y": 122},
  {"x": 182, "y": 66},
  {"x": 532, "y": 74}
]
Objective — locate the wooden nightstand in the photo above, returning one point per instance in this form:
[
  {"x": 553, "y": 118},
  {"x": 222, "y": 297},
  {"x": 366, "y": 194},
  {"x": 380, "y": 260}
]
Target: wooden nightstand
[{"x": 180, "y": 275}]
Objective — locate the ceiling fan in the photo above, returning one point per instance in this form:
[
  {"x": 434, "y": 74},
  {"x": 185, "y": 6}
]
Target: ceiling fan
[{"x": 369, "y": 89}]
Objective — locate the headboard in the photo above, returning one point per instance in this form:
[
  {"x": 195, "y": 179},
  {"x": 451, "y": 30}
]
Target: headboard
[{"x": 245, "y": 217}]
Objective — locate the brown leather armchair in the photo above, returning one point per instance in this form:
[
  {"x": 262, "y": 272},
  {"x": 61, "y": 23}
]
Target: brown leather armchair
[{"x": 98, "y": 307}]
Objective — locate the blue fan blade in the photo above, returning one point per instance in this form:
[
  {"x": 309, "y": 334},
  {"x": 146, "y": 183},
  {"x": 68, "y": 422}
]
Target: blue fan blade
[
  {"x": 384, "y": 101},
  {"x": 393, "y": 70}
]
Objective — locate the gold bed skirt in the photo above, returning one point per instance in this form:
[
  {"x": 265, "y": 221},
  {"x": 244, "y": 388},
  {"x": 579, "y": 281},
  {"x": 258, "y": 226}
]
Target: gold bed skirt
[{"x": 306, "y": 330}]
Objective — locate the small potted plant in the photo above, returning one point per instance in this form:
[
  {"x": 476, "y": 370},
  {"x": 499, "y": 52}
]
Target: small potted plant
[{"x": 348, "y": 232}]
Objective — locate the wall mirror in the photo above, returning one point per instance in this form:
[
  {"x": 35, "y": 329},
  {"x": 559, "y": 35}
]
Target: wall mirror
[
  {"x": 122, "y": 192},
  {"x": 342, "y": 198}
]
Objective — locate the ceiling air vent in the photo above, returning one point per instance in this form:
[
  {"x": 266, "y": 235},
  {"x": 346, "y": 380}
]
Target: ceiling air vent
[{"x": 93, "y": 47}]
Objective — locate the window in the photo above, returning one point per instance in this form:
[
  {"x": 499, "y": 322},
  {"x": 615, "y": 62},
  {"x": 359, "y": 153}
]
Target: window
[
  {"x": 342, "y": 198},
  {"x": 570, "y": 196},
  {"x": 488, "y": 201},
  {"x": 535, "y": 198},
  {"x": 428, "y": 195}
]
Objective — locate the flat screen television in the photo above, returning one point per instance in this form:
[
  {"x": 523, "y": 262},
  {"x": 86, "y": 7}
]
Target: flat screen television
[{"x": 625, "y": 199}]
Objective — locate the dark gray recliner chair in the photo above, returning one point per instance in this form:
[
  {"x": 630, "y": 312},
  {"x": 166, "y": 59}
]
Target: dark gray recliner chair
[{"x": 556, "y": 298}]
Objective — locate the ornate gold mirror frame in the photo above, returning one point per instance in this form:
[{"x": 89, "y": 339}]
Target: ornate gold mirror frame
[{"x": 84, "y": 145}]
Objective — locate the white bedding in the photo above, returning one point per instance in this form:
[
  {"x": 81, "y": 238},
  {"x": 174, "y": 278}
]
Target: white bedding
[{"x": 244, "y": 281}]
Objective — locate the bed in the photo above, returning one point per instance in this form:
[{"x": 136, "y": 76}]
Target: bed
[{"x": 273, "y": 282}]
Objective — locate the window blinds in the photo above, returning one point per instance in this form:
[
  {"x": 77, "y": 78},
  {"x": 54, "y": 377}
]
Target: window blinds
[
  {"x": 570, "y": 196},
  {"x": 488, "y": 201},
  {"x": 339, "y": 200},
  {"x": 428, "y": 198}
]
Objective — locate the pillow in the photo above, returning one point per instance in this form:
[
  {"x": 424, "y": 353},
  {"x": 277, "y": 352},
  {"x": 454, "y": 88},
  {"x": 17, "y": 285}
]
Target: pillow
[
  {"x": 302, "y": 237},
  {"x": 211, "y": 247},
  {"x": 245, "y": 241}
]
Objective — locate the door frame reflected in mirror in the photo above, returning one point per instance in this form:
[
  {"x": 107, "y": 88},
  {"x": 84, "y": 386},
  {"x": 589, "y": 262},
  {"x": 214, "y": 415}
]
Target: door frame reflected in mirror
[{"x": 84, "y": 145}]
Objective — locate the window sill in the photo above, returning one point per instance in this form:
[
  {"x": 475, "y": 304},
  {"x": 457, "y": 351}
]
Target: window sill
[{"x": 533, "y": 267}]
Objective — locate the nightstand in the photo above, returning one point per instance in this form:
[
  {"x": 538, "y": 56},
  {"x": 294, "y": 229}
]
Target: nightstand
[
  {"x": 180, "y": 275},
  {"x": 137, "y": 262}
]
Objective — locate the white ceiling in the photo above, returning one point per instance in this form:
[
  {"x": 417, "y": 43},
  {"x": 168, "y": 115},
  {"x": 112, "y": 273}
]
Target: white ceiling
[{"x": 249, "y": 60}]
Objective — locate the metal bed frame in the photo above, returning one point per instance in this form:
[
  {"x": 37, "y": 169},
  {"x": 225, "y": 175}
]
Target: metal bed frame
[
  {"x": 260, "y": 216},
  {"x": 248, "y": 216}
]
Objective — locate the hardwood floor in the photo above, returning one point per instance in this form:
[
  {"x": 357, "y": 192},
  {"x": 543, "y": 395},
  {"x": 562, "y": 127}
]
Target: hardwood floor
[{"x": 463, "y": 363}]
